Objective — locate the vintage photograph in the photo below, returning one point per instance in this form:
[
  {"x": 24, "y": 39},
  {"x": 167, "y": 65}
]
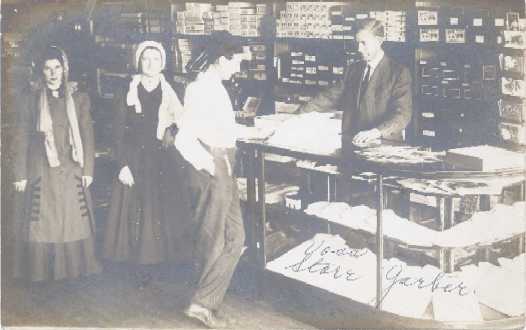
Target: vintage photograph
[{"x": 251, "y": 164}]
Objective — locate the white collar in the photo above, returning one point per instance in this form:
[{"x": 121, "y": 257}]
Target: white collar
[{"x": 376, "y": 60}]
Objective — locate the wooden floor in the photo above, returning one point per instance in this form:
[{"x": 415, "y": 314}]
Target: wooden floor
[{"x": 114, "y": 299}]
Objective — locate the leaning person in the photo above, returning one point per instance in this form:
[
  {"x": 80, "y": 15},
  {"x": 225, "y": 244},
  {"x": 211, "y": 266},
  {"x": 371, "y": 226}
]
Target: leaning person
[{"x": 207, "y": 140}]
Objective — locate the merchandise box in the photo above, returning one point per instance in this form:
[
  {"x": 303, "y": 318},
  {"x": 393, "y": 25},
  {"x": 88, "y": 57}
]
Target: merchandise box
[
  {"x": 512, "y": 110},
  {"x": 484, "y": 158}
]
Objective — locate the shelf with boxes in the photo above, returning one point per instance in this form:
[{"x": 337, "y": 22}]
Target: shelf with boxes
[
  {"x": 302, "y": 47},
  {"x": 457, "y": 25},
  {"x": 455, "y": 93},
  {"x": 310, "y": 65},
  {"x": 239, "y": 18},
  {"x": 334, "y": 20},
  {"x": 457, "y": 70},
  {"x": 512, "y": 108},
  {"x": 340, "y": 218},
  {"x": 193, "y": 23},
  {"x": 315, "y": 42}
]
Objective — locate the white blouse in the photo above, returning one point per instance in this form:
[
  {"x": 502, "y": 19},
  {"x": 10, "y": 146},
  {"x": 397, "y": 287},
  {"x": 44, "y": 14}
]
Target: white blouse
[{"x": 208, "y": 117}]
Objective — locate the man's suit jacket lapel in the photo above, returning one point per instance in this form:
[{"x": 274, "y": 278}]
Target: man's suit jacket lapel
[
  {"x": 374, "y": 91},
  {"x": 350, "y": 99},
  {"x": 376, "y": 79}
]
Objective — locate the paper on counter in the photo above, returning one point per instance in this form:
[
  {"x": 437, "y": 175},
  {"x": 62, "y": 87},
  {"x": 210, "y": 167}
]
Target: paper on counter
[
  {"x": 322, "y": 262},
  {"x": 502, "y": 289},
  {"x": 310, "y": 132},
  {"x": 405, "y": 298},
  {"x": 328, "y": 263},
  {"x": 450, "y": 308}
]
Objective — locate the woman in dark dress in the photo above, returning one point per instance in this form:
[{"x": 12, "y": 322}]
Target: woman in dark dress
[
  {"x": 148, "y": 205},
  {"x": 53, "y": 169}
]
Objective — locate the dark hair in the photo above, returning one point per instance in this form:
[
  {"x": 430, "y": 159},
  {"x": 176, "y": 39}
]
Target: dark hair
[
  {"x": 374, "y": 26},
  {"x": 221, "y": 43},
  {"x": 50, "y": 53}
]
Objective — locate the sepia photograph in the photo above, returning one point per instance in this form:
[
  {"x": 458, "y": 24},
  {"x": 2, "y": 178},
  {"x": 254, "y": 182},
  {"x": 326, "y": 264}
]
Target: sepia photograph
[{"x": 266, "y": 164}]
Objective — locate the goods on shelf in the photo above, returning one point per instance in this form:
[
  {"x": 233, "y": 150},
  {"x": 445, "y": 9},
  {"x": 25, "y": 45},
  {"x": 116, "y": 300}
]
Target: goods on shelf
[
  {"x": 480, "y": 229},
  {"x": 183, "y": 48},
  {"x": 395, "y": 24},
  {"x": 305, "y": 20},
  {"x": 318, "y": 66},
  {"x": 514, "y": 133},
  {"x": 512, "y": 111},
  {"x": 334, "y": 20},
  {"x": 239, "y": 18},
  {"x": 512, "y": 63},
  {"x": 512, "y": 128},
  {"x": 255, "y": 66}
]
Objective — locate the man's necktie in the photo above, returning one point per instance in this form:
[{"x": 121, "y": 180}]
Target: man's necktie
[{"x": 365, "y": 81}]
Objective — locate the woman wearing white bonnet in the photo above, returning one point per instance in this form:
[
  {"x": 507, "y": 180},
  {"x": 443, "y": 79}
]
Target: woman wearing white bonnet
[{"x": 148, "y": 200}]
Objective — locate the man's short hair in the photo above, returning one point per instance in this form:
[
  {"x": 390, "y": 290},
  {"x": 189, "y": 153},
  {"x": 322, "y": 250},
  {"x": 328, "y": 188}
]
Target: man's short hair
[{"x": 374, "y": 26}]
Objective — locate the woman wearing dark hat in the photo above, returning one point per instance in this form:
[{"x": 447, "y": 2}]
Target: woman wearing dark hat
[
  {"x": 207, "y": 139},
  {"x": 147, "y": 199},
  {"x": 54, "y": 168}
]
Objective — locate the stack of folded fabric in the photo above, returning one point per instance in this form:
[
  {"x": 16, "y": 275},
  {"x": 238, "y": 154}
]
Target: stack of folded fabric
[
  {"x": 312, "y": 132},
  {"x": 363, "y": 218},
  {"x": 501, "y": 222}
]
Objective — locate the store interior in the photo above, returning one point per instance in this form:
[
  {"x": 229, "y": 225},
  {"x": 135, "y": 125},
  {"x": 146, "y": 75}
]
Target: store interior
[{"x": 442, "y": 213}]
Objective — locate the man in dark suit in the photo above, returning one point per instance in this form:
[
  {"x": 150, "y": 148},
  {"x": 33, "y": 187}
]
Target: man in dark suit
[{"x": 375, "y": 94}]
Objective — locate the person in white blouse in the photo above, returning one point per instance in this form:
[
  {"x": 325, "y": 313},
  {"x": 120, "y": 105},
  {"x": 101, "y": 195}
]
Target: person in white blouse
[{"x": 207, "y": 139}]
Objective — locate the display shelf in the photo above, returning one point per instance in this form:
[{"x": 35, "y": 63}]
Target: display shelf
[
  {"x": 257, "y": 209},
  {"x": 433, "y": 239},
  {"x": 437, "y": 239}
]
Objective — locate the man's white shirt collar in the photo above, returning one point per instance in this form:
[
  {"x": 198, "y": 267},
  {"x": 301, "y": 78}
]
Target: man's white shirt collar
[{"x": 375, "y": 61}]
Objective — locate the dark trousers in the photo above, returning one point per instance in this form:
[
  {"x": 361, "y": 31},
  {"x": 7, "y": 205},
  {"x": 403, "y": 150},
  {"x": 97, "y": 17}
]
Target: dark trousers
[{"x": 219, "y": 232}]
